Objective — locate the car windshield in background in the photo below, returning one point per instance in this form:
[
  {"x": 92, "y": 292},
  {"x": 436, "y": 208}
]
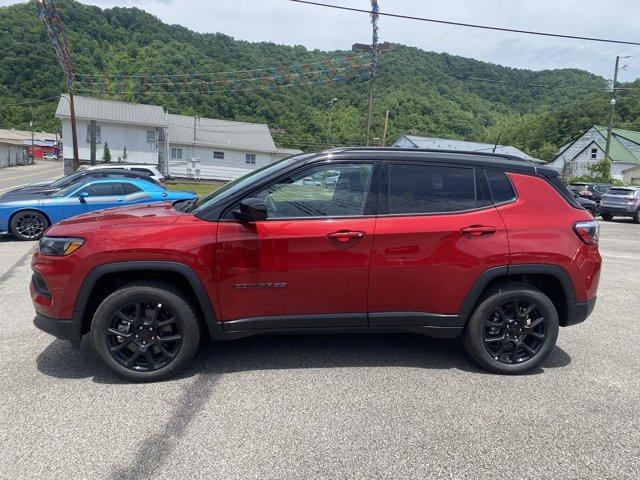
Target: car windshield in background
[
  {"x": 66, "y": 191},
  {"x": 242, "y": 182},
  {"x": 576, "y": 188},
  {"x": 64, "y": 181},
  {"x": 621, "y": 192}
]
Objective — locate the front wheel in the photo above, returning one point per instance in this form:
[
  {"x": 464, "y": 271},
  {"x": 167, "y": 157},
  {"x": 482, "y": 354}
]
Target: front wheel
[
  {"x": 145, "y": 332},
  {"x": 513, "y": 330},
  {"x": 607, "y": 217},
  {"x": 28, "y": 225}
]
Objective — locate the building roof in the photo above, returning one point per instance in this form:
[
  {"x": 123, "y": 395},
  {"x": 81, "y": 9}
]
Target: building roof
[
  {"x": 16, "y": 137},
  {"x": 88, "y": 108},
  {"x": 254, "y": 137},
  {"x": 618, "y": 152},
  {"x": 434, "y": 143}
]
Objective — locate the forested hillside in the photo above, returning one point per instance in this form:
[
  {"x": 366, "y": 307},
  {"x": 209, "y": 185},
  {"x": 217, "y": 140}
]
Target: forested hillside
[{"x": 426, "y": 93}]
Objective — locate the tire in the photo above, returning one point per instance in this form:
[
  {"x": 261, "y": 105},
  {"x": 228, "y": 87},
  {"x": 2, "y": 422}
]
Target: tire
[
  {"x": 636, "y": 216},
  {"x": 115, "y": 340},
  {"x": 483, "y": 338},
  {"x": 607, "y": 217},
  {"x": 28, "y": 225}
]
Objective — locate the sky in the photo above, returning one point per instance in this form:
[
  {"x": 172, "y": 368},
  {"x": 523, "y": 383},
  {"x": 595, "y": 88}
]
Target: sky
[{"x": 285, "y": 22}]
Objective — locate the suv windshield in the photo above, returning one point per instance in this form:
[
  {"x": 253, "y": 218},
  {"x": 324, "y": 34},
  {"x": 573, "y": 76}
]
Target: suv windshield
[{"x": 244, "y": 181}]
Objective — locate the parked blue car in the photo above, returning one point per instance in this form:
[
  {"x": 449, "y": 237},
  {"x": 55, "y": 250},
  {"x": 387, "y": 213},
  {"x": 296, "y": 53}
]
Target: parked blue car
[{"x": 29, "y": 218}]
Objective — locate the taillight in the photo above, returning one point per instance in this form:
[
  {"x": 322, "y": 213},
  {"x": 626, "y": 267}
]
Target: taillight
[
  {"x": 588, "y": 231},
  {"x": 585, "y": 193}
]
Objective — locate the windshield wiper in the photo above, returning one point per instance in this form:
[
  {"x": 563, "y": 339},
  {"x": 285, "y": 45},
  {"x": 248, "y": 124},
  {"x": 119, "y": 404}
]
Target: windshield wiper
[{"x": 187, "y": 206}]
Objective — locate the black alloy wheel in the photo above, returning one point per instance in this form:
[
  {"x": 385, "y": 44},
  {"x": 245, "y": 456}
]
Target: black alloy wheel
[
  {"x": 29, "y": 225},
  {"x": 515, "y": 331},
  {"x": 144, "y": 336},
  {"x": 146, "y": 331}
]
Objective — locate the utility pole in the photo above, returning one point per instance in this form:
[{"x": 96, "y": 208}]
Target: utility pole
[
  {"x": 33, "y": 155},
  {"x": 612, "y": 103},
  {"x": 386, "y": 128},
  {"x": 331, "y": 102},
  {"x": 74, "y": 132},
  {"x": 92, "y": 128}
]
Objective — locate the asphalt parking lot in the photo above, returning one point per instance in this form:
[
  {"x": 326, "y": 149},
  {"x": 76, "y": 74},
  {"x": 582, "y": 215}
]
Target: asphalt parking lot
[{"x": 344, "y": 406}]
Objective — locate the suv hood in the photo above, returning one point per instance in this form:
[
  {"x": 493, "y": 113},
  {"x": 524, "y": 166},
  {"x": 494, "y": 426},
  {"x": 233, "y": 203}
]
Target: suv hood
[{"x": 135, "y": 215}]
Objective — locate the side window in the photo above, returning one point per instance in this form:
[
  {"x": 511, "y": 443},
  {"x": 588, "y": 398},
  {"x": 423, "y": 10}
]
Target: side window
[
  {"x": 501, "y": 188},
  {"x": 334, "y": 190},
  {"x": 129, "y": 188},
  {"x": 103, "y": 189},
  {"x": 142, "y": 170},
  {"x": 416, "y": 188}
]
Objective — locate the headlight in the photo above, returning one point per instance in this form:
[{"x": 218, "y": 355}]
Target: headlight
[{"x": 59, "y": 246}]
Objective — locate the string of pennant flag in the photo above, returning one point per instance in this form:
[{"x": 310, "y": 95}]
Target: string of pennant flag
[{"x": 341, "y": 69}]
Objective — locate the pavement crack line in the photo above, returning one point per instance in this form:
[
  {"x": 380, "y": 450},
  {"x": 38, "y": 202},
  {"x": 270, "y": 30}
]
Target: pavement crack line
[{"x": 154, "y": 450}]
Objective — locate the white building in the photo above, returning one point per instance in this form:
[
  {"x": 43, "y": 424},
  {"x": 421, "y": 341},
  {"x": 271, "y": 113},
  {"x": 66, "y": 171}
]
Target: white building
[
  {"x": 194, "y": 146},
  {"x": 434, "y": 143},
  {"x": 575, "y": 158}
]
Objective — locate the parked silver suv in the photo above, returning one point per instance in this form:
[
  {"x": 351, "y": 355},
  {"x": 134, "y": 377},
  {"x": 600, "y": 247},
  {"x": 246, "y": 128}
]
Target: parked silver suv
[{"x": 621, "y": 202}]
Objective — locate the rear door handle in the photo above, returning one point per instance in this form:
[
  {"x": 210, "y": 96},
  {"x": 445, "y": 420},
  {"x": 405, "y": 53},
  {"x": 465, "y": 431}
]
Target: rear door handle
[
  {"x": 478, "y": 230},
  {"x": 345, "y": 235}
]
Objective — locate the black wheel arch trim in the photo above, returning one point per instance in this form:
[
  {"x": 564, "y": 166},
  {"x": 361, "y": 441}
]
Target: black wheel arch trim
[
  {"x": 520, "y": 269},
  {"x": 84, "y": 295}
]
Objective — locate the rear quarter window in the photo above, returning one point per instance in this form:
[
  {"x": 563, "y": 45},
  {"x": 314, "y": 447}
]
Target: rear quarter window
[{"x": 500, "y": 185}]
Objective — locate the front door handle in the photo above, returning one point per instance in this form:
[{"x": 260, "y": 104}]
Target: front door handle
[
  {"x": 478, "y": 230},
  {"x": 345, "y": 235}
]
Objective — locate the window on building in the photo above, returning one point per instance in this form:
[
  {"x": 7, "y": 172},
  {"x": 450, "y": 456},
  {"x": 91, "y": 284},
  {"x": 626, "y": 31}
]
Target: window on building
[
  {"x": 250, "y": 158},
  {"x": 176, "y": 154},
  {"x": 98, "y": 140},
  {"x": 415, "y": 188},
  {"x": 218, "y": 155},
  {"x": 594, "y": 153},
  {"x": 151, "y": 136}
]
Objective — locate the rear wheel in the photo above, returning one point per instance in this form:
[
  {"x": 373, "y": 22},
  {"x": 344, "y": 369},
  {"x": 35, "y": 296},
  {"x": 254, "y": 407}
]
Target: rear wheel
[
  {"x": 607, "y": 217},
  {"x": 28, "y": 225},
  {"x": 636, "y": 216},
  {"x": 513, "y": 330},
  {"x": 145, "y": 331}
]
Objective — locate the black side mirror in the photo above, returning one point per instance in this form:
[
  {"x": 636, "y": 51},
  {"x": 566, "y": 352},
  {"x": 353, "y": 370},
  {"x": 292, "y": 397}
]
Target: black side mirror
[{"x": 251, "y": 210}]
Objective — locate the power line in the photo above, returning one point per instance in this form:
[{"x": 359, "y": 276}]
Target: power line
[
  {"x": 464, "y": 77},
  {"x": 469, "y": 25},
  {"x": 229, "y": 72},
  {"x": 28, "y": 102}
]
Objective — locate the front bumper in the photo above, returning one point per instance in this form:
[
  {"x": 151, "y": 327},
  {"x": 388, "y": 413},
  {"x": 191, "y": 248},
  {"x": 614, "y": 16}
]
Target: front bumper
[
  {"x": 63, "y": 329},
  {"x": 577, "y": 312}
]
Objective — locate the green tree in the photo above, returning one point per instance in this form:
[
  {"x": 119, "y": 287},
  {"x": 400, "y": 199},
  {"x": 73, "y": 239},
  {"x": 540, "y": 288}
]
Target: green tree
[{"x": 106, "y": 153}]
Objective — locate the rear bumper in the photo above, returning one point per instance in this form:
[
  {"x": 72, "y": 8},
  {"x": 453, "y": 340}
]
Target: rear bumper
[
  {"x": 577, "y": 312},
  {"x": 617, "y": 211},
  {"x": 63, "y": 329}
]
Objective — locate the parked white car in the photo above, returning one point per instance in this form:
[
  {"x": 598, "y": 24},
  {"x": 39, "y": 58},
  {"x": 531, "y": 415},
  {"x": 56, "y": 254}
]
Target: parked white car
[
  {"x": 50, "y": 156},
  {"x": 148, "y": 169}
]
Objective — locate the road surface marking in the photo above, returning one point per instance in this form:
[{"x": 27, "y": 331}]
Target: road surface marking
[{"x": 49, "y": 169}]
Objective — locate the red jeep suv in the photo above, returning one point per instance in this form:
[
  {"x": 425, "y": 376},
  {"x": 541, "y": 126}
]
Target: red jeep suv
[{"x": 485, "y": 247}]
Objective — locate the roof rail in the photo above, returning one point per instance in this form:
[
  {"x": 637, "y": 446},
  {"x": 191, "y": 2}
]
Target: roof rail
[{"x": 427, "y": 150}]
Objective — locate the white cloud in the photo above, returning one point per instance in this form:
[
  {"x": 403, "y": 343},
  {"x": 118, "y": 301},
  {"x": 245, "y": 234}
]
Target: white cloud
[{"x": 281, "y": 21}]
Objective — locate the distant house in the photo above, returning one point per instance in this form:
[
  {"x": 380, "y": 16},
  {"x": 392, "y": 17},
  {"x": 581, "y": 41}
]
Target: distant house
[
  {"x": 179, "y": 145},
  {"x": 15, "y": 146},
  {"x": 575, "y": 158},
  {"x": 433, "y": 143}
]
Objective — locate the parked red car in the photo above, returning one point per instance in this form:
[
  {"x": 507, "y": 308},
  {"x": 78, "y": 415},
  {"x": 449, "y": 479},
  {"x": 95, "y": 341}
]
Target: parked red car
[{"x": 484, "y": 247}]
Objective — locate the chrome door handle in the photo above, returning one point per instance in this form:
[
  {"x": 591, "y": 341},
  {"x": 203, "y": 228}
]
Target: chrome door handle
[{"x": 478, "y": 230}]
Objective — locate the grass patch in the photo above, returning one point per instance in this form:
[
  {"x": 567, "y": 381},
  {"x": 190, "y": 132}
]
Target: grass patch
[{"x": 202, "y": 189}]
